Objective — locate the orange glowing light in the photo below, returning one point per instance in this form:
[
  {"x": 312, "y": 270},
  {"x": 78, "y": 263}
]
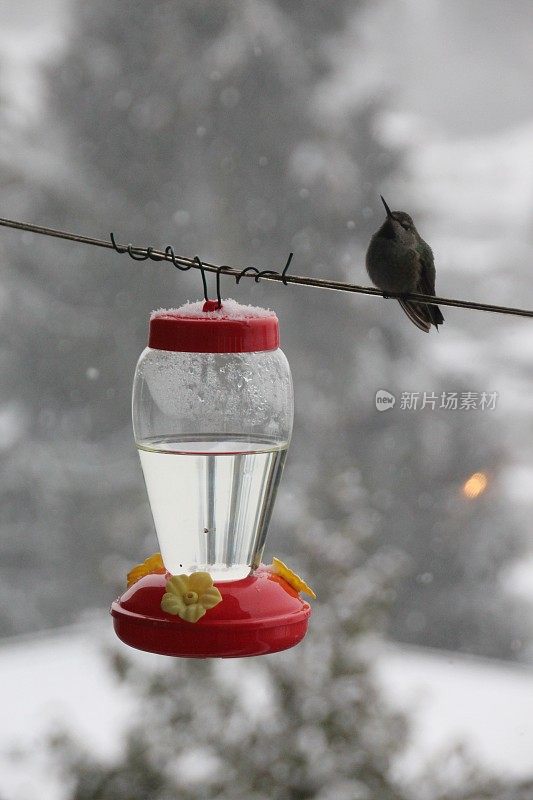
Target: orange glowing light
[{"x": 475, "y": 485}]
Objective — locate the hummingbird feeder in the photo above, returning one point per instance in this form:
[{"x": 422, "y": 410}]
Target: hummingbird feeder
[{"x": 212, "y": 420}]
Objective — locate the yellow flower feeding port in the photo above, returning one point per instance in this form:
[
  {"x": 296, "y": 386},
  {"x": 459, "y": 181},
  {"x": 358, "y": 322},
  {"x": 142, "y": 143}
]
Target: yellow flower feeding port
[{"x": 189, "y": 596}]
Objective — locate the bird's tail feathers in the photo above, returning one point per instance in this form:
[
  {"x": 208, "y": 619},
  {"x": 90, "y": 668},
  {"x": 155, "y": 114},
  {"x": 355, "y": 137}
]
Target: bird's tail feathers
[{"x": 423, "y": 315}]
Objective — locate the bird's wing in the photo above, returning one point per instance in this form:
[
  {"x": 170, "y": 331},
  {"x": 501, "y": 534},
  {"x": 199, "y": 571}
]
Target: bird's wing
[
  {"x": 416, "y": 312},
  {"x": 426, "y": 282}
]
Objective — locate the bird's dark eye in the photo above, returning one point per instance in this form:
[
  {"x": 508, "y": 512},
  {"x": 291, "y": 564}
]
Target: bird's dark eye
[{"x": 403, "y": 222}]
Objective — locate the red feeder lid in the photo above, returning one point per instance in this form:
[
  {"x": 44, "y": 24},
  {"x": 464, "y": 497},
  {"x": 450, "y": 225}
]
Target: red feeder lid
[{"x": 202, "y": 328}]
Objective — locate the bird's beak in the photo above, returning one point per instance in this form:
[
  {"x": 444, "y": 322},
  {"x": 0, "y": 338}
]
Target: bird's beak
[{"x": 387, "y": 209}]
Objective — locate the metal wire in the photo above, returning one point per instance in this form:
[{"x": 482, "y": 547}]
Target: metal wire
[{"x": 184, "y": 263}]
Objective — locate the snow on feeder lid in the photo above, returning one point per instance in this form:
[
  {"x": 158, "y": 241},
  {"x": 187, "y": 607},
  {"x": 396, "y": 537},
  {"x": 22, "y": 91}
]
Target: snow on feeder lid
[
  {"x": 203, "y": 328},
  {"x": 212, "y": 419}
]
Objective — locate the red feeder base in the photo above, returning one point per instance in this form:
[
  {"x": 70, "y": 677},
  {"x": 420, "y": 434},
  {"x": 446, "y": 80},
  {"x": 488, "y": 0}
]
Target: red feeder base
[{"x": 258, "y": 615}]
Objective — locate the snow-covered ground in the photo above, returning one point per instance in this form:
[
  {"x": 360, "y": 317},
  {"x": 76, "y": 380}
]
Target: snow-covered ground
[
  {"x": 51, "y": 683},
  {"x": 452, "y": 698},
  {"x": 61, "y": 681}
]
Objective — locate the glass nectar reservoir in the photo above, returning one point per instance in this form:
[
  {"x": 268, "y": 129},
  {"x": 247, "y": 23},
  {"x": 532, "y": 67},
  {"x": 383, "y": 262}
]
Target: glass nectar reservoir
[{"x": 212, "y": 419}]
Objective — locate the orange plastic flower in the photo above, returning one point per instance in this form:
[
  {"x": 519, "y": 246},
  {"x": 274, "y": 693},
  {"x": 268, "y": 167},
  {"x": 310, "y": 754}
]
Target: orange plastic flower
[
  {"x": 294, "y": 580},
  {"x": 153, "y": 564},
  {"x": 190, "y": 596}
]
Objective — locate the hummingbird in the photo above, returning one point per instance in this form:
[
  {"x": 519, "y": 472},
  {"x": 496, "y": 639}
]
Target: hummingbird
[{"x": 399, "y": 261}]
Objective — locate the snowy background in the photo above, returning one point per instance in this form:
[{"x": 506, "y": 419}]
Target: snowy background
[{"x": 242, "y": 131}]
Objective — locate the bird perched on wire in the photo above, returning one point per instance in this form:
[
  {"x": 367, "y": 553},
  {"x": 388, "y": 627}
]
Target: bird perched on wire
[{"x": 399, "y": 261}]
